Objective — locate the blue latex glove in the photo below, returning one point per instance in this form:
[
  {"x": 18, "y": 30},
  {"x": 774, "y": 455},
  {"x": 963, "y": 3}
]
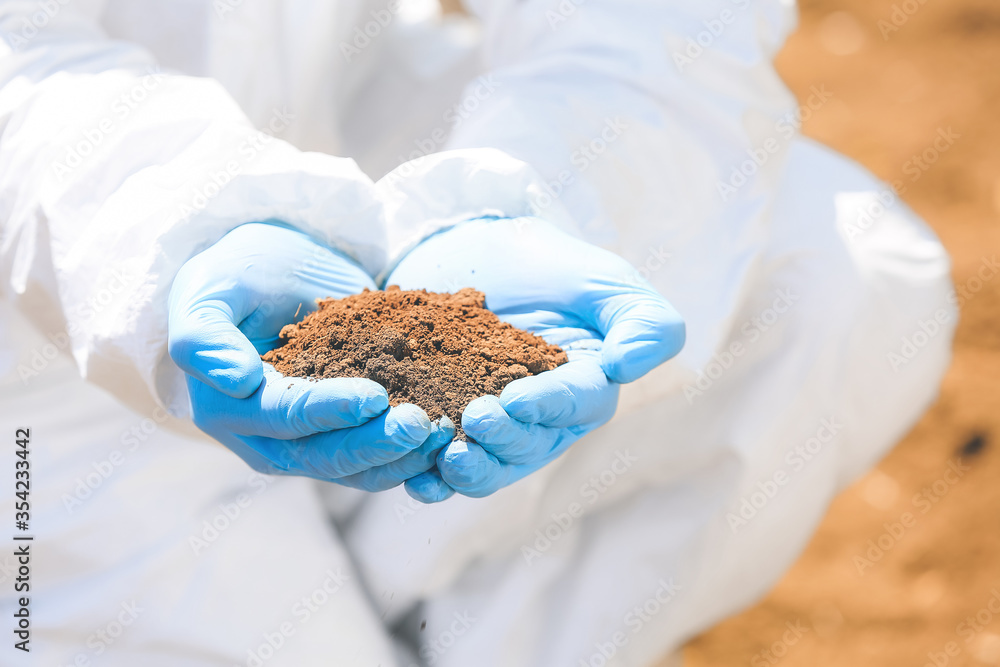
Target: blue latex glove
[
  {"x": 227, "y": 306},
  {"x": 614, "y": 327}
]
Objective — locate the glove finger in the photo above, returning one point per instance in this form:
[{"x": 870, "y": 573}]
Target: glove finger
[
  {"x": 288, "y": 408},
  {"x": 335, "y": 454},
  {"x": 641, "y": 331},
  {"x": 473, "y": 471},
  {"x": 414, "y": 463},
  {"x": 428, "y": 488},
  {"x": 506, "y": 438},
  {"x": 206, "y": 344},
  {"x": 555, "y": 327},
  {"x": 251, "y": 449},
  {"x": 578, "y": 392}
]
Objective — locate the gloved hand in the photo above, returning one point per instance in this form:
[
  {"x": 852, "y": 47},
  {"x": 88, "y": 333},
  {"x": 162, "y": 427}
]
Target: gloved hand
[
  {"x": 614, "y": 327},
  {"x": 227, "y": 306}
]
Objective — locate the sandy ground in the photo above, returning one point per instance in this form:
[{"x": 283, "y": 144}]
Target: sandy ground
[{"x": 940, "y": 70}]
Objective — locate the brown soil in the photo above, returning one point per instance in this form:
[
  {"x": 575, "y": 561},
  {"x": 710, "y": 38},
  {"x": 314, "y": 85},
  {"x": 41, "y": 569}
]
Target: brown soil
[
  {"x": 891, "y": 95},
  {"x": 439, "y": 351}
]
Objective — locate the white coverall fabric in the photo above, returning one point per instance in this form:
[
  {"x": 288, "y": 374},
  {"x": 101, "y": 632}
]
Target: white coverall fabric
[{"x": 118, "y": 162}]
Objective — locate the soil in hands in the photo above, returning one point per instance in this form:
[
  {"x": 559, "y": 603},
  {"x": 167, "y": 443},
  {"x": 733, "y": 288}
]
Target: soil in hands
[{"x": 439, "y": 351}]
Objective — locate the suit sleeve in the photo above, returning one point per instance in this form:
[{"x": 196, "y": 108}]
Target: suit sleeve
[{"x": 113, "y": 173}]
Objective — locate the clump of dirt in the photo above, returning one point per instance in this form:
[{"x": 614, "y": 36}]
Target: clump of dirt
[{"x": 439, "y": 351}]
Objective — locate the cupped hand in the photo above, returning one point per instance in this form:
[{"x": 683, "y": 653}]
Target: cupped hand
[
  {"x": 613, "y": 325},
  {"x": 227, "y": 305}
]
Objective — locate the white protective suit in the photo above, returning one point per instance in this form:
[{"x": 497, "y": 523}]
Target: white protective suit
[{"x": 136, "y": 133}]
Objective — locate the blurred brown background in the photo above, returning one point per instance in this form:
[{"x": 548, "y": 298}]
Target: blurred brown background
[{"x": 894, "y": 89}]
